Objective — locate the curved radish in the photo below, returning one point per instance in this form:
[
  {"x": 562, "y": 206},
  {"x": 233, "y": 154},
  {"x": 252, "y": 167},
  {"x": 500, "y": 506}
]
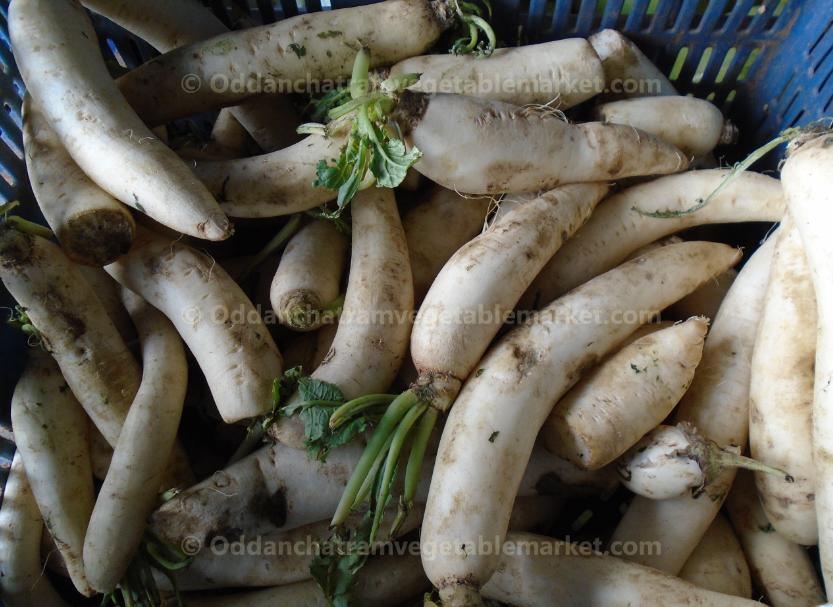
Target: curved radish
[
  {"x": 781, "y": 392},
  {"x": 22, "y": 583},
  {"x": 92, "y": 226},
  {"x": 57, "y": 53},
  {"x": 781, "y": 569},
  {"x": 717, "y": 405},
  {"x": 524, "y": 374},
  {"x": 214, "y": 317},
  {"x": 616, "y": 404},
  {"x": 308, "y": 278},
  {"x": 75, "y": 327},
  {"x": 138, "y": 466},
  {"x": 617, "y": 228},
  {"x": 694, "y": 125},
  {"x": 498, "y": 147},
  {"x": 628, "y": 72},
  {"x": 718, "y": 563},
  {"x": 562, "y": 73},
  {"x": 50, "y": 429}
]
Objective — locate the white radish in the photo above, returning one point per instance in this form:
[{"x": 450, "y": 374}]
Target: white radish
[
  {"x": 616, "y": 404},
  {"x": 216, "y": 320},
  {"x": 307, "y": 350},
  {"x": 628, "y": 72},
  {"x": 617, "y": 228},
  {"x": 74, "y": 325},
  {"x": 307, "y": 282},
  {"x": 108, "y": 293},
  {"x": 50, "y": 429},
  {"x": 140, "y": 458},
  {"x": 781, "y": 392},
  {"x": 717, "y": 404},
  {"x": 706, "y": 300},
  {"x": 498, "y": 147},
  {"x": 718, "y": 562},
  {"x": 524, "y": 374},
  {"x": 57, "y": 53},
  {"x": 22, "y": 582}
]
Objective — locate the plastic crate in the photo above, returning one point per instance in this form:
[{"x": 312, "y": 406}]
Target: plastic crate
[{"x": 766, "y": 63}]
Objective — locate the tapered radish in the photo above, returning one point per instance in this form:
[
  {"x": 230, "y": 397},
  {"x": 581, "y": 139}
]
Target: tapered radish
[
  {"x": 694, "y": 125},
  {"x": 214, "y": 317},
  {"x": 74, "y": 325},
  {"x": 781, "y": 392},
  {"x": 523, "y": 375},
  {"x": 717, "y": 404},
  {"x": 522, "y": 149},
  {"x": 50, "y": 429},
  {"x": 138, "y": 466},
  {"x": 781, "y": 569},
  {"x": 628, "y": 394},
  {"x": 706, "y": 300},
  {"x": 618, "y": 228},
  {"x": 628, "y": 72},
  {"x": 93, "y": 227},
  {"x": 718, "y": 562},
  {"x": 307, "y": 282},
  {"x": 533, "y": 570},
  {"x": 562, "y": 74},
  {"x": 57, "y": 53},
  {"x": 22, "y": 583}
]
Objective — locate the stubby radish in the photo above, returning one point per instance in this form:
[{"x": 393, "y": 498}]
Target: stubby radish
[
  {"x": 783, "y": 570},
  {"x": 561, "y": 74},
  {"x": 806, "y": 179},
  {"x": 22, "y": 582},
  {"x": 498, "y": 147},
  {"x": 718, "y": 562},
  {"x": 93, "y": 227},
  {"x": 50, "y": 430},
  {"x": 74, "y": 327},
  {"x": 629, "y": 393},
  {"x": 306, "y": 285},
  {"x": 717, "y": 404},
  {"x": 533, "y": 569},
  {"x": 624, "y": 223},
  {"x": 462, "y": 312},
  {"x": 216, "y": 320},
  {"x": 694, "y": 125},
  {"x": 489, "y": 433},
  {"x": 436, "y": 228},
  {"x": 628, "y": 72},
  {"x": 672, "y": 461},
  {"x": 140, "y": 458},
  {"x": 56, "y": 50},
  {"x": 781, "y": 392}
]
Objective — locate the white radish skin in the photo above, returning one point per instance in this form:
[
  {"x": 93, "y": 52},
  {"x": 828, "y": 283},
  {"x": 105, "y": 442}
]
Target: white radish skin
[
  {"x": 806, "y": 179},
  {"x": 375, "y": 322},
  {"x": 56, "y": 51},
  {"x": 270, "y": 120},
  {"x": 616, "y": 229},
  {"x": 718, "y": 562},
  {"x": 436, "y": 228},
  {"x": 228, "y": 140},
  {"x": 98, "y": 367},
  {"x": 309, "y": 275},
  {"x": 216, "y": 320},
  {"x": 625, "y": 66},
  {"x": 288, "y": 56},
  {"x": 562, "y": 74},
  {"x": 621, "y": 400},
  {"x": 140, "y": 458},
  {"x": 694, "y": 125},
  {"x": 706, "y": 300},
  {"x": 717, "y": 405},
  {"x": 22, "y": 583},
  {"x": 781, "y": 392},
  {"x": 108, "y": 292},
  {"x": 534, "y": 569},
  {"x": 781, "y": 569},
  {"x": 531, "y": 367},
  {"x": 498, "y": 147},
  {"x": 93, "y": 227},
  {"x": 307, "y": 350},
  {"x": 50, "y": 430}
]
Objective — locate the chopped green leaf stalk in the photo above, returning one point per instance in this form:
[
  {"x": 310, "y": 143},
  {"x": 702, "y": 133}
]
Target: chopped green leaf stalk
[
  {"x": 19, "y": 319},
  {"x": 335, "y": 568},
  {"x": 358, "y": 405},
  {"x": 372, "y": 477},
  {"x": 360, "y": 78},
  {"x": 474, "y": 24},
  {"x": 277, "y": 243},
  {"x": 413, "y": 469}
]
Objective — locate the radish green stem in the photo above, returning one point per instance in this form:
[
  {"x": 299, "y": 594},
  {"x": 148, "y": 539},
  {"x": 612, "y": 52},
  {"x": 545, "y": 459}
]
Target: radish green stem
[
  {"x": 357, "y": 405},
  {"x": 28, "y": 227},
  {"x": 372, "y": 476},
  {"x": 276, "y": 244},
  {"x": 414, "y": 467},
  {"x": 359, "y": 78}
]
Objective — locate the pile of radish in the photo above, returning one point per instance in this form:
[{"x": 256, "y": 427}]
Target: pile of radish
[{"x": 406, "y": 328}]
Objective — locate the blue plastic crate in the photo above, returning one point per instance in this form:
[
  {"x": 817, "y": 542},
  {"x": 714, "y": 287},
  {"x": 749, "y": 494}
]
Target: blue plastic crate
[{"x": 766, "y": 63}]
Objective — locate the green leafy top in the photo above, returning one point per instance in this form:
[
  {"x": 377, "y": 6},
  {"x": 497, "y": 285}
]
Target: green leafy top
[
  {"x": 336, "y": 564},
  {"x": 473, "y": 23}
]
